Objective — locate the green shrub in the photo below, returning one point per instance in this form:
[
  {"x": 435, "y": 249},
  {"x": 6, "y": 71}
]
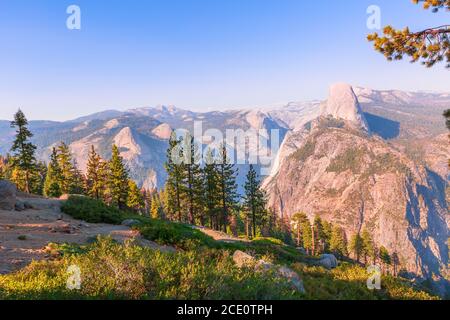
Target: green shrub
[
  {"x": 348, "y": 282},
  {"x": 268, "y": 240},
  {"x": 176, "y": 234},
  {"x": 91, "y": 210}
]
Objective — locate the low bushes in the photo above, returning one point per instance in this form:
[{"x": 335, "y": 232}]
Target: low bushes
[
  {"x": 113, "y": 271},
  {"x": 91, "y": 210}
]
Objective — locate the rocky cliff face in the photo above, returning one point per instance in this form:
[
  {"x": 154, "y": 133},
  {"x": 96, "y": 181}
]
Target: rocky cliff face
[{"x": 334, "y": 168}]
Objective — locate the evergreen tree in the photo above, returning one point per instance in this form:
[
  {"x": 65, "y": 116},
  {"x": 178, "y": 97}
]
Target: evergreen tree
[
  {"x": 338, "y": 242},
  {"x": 327, "y": 231},
  {"x": 357, "y": 246},
  {"x": 52, "y": 184},
  {"x": 156, "y": 211},
  {"x": 135, "y": 200},
  {"x": 147, "y": 196},
  {"x": 3, "y": 168},
  {"x": 227, "y": 188},
  {"x": 118, "y": 179},
  {"x": 192, "y": 180},
  {"x": 319, "y": 236},
  {"x": 23, "y": 151},
  {"x": 254, "y": 200},
  {"x": 96, "y": 175},
  {"x": 174, "y": 182},
  {"x": 385, "y": 258},
  {"x": 211, "y": 189},
  {"x": 369, "y": 250},
  {"x": 307, "y": 236},
  {"x": 71, "y": 178},
  {"x": 297, "y": 221}
]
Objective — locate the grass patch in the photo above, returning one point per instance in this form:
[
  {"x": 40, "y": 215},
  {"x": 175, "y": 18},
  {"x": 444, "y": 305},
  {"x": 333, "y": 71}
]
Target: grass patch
[
  {"x": 348, "y": 282},
  {"x": 113, "y": 271}
]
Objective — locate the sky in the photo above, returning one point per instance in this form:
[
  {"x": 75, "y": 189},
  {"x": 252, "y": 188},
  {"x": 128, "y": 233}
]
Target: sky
[{"x": 196, "y": 54}]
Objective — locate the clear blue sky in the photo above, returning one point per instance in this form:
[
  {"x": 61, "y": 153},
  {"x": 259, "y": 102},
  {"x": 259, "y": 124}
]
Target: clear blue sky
[{"x": 199, "y": 54}]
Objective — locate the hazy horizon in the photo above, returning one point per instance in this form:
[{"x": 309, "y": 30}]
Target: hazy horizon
[{"x": 197, "y": 55}]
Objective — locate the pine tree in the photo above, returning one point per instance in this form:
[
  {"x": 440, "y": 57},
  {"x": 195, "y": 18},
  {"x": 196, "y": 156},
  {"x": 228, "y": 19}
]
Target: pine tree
[
  {"x": 327, "y": 230},
  {"x": 192, "y": 180},
  {"x": 96, "y": 175},
  {"x": 23, "y": 151},
  {"x": 319, "y": 236},
  {"x": 211, "y": 189},
  {"x": 71, "y": 178},
  {"x": 3, "y": 168},
  {"x": 156, "y": 211},
  {"x": 174, "y": 182},
  {"x": 227, "y": 188},
  {"x": 338, "y": 242},
  {"x": 135, "y": 200},
  {"x": 52, "y": 184},
  {"x": 385, "y": 258},
  {"x": 369, "y": 249},
  {"x": 307, "y": 236},
  {"x": 297, "y": 221},
  {"x": 118, "y": 179},
  {"x": 254, "y": 200},
  {"x": 357, "y": 246}
]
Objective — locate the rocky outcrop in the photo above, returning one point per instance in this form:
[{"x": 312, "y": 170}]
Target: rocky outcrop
[
  {"x": 343, "y": 104},
  {"x": 8, "y": 193},
  {"x": 328, "y": 261},
  {"x": 242, "y": 259},
  {"x": 358, "y": 182}
]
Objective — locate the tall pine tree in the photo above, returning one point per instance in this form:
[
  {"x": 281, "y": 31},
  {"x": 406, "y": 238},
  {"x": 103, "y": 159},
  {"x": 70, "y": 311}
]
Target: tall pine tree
[
  {"x": 254, "y": 200},
  {"x": 338, "y": 242},
  {"x": 135, "y": 200},
  {"x": 357, "y": 246},
  {"x": 71, "y": 179},
  {"x": 227, "y": 188},
  {"x": 192, "y": 180},
  {"x": 52, "y": 184},
  {"x": 211, "y": 189},
  {"x": 23, "y": 152},
  {"x": 174, "y": 182},
  {"x": 118, "y": 179},
  {"x": 96, "y": 175}
]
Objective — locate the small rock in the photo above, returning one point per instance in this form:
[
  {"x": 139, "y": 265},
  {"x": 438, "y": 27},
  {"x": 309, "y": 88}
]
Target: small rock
[
  {"x": 130, "y": 222},
  {"x": 27, "y": 205},
  {"x": 8, "y": 193},
  {"x": 19, "y": 206},
  {"x": 61, "y": 228},
  {"x": 328, "y": 261},
  {"x": 292, "y": 277},
  {"x": 242, "y": 259}
]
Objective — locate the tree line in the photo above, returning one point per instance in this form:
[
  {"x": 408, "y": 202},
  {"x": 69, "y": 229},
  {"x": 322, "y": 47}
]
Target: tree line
[
  {"x": 321, "y": 236},
  {"x": 106, "y": 180},
  {"x": 202, "y": 189}
]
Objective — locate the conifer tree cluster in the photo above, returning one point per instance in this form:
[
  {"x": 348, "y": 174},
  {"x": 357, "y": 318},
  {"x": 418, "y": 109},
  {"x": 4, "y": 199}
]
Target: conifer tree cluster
[
  {"x": 199, "y": 194},
  {"x": 323, "y": 237},
  {"x": 106, "y": 180}
]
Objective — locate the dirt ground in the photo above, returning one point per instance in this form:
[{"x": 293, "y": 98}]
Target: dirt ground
[{"x": 25, "y": 234}]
